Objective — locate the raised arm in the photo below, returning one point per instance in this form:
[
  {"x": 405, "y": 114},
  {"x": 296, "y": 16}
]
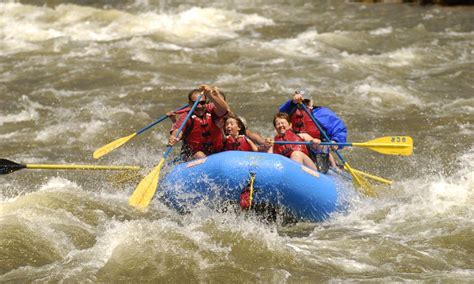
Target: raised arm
[
  {"x": 289, "y": 105},
  {"x": 222, "y": 108}
]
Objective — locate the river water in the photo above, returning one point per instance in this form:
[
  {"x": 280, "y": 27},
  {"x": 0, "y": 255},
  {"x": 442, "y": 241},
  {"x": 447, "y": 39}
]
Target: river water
[{"x": 76, "y": 75}]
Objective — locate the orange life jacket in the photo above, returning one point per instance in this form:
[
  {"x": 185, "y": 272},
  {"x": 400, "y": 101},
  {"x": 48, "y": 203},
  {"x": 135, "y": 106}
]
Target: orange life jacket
[
  {"x": 302, "y": 123},
  {"x": 287, "y": 149},
  {"x": 202, "y": 134},
  {"x": 238, "y": 143}
]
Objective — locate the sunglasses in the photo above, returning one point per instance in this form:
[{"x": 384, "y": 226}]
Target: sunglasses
[{"x": 200, "y": 102}]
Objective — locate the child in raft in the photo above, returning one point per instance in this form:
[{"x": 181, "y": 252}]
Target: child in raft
[
  {"x": 235, "y": 136},
  {"x": 298, "y": 153}
]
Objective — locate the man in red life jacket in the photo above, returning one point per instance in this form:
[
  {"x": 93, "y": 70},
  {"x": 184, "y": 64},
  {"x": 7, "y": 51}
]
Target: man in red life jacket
[
  {"x": 236, "y": 139},
  {"x": 254, "y": 136},
  {"x": 202, "y": 135},
  {"x": 298, "y": 153},
  {"x": 302, "y": 123}
]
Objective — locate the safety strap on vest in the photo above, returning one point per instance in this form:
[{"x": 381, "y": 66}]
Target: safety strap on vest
[{"x": 189, "y": 127}]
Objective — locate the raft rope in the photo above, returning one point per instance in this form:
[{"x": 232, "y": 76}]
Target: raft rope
[
  {"x": 252, "y": 179},
  {"x": 246, "y": 196}
]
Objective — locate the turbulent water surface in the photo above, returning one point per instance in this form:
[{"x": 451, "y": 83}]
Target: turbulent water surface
[{"x": 76, "y": 75}]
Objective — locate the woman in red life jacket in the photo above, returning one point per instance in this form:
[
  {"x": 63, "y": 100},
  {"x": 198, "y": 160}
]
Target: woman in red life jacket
[
  {"x": 254, "y": 136},
  {"x": 202, "y": 134},
  {"x": 298, "y": 153},
  {"x": 236, "y": 139}
]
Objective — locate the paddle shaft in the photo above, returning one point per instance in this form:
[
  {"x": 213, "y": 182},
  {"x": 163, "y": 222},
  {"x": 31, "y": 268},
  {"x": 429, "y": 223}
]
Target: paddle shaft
[
  {"x": 358, "y": 179},
  {"x": 388, "y": 145},
  {"x": 158, "y": 121},
  {"x": 79, "y": 167},
  {"x": 168, "y": 150},
  {"x": 143, "y": 194},
  {"x": 119, "y": 142},
  {"x": 321, "y": 130},
  {"x": 7, "y": 166}
]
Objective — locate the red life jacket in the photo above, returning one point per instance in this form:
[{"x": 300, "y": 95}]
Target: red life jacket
[
  {"x": 238, "y": 143},
  {"x": 287, "y": 149},
  {"x": 302, "y": 123},
  {"x": 202, "y": 134}
]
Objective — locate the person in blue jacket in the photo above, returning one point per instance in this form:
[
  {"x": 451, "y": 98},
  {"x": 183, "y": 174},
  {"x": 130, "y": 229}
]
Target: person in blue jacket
[{"x": 332, "y": 125}]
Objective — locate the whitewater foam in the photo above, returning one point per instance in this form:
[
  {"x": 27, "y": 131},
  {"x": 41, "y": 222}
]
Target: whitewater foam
[
  {"x": 381, "y": 96},
  {"x": 382, "y": 31},
  {"x": 81, "y": 23}
]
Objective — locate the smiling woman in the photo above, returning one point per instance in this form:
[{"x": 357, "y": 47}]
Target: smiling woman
[{"x": 298, "y": 153}]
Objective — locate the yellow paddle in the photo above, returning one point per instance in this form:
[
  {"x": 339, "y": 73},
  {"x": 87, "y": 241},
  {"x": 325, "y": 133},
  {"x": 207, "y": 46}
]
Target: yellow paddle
[
  {"x": 389, "y": 145},
  {"x": 146, "y": 189},
  {"x": 376, "y": 178},
  {"x": 357, "y": 178},
  {"x": 7, "y": 166},
  {"x": 119, "y": 142}
]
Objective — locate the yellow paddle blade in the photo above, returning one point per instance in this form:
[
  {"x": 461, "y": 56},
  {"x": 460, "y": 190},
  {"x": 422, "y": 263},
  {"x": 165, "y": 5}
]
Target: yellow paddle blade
[
  {"x": 390, "y": 145},
  {"x": 360, "y": 182},
  {"x": 112, "y": 145},
  {"x": 376, "y": 178},
  {"x": 146, "y": 189}
]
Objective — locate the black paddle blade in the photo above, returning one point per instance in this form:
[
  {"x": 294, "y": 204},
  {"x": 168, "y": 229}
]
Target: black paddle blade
[{"x": 7, "y": 166}]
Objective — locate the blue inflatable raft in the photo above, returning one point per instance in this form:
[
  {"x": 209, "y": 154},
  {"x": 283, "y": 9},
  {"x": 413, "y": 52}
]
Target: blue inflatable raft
[{"x": 279, "y": 183}]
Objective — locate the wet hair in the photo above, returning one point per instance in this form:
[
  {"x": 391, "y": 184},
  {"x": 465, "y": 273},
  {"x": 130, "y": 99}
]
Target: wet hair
[
  {"x": 193, "y": 91},
  {"x": 239, "y": 123},
  {"x": 281, "y": 115}
]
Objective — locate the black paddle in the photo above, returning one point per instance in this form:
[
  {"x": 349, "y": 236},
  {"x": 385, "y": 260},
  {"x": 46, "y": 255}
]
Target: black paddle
[{"x": 7, "y": 166}]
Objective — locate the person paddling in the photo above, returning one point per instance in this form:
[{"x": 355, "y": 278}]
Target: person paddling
[
  {"x": 298, "y": 153},
  {"x": 202, "y": 134},
  {"x": 254, "y": 136},
  {"x": 235, "y": 136},
  {"x": 302, "y": 123}
]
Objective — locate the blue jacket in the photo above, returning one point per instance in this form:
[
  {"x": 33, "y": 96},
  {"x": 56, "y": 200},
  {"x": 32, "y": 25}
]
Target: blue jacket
[{"x": 332, "y": 124}]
